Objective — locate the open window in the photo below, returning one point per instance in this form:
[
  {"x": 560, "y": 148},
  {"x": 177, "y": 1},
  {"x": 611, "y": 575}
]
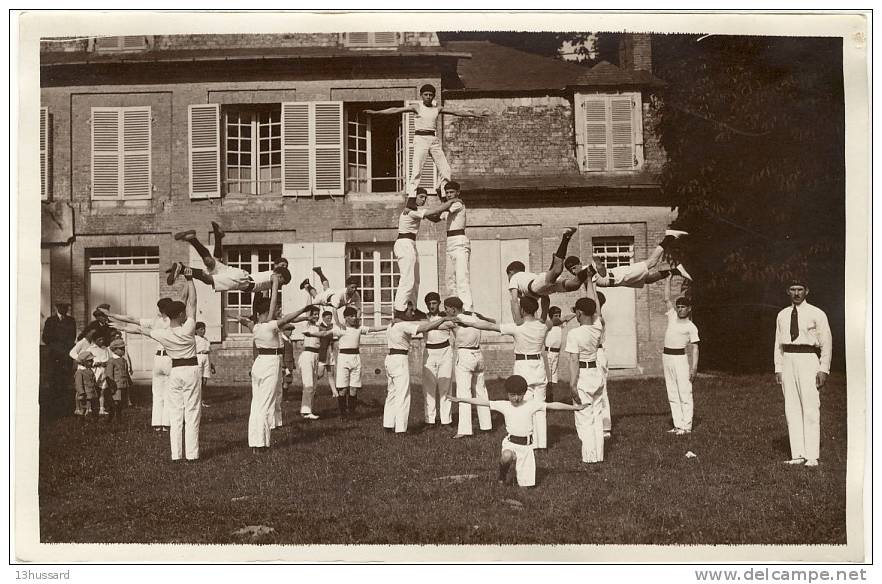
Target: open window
[{"x": 375, "y": 154}]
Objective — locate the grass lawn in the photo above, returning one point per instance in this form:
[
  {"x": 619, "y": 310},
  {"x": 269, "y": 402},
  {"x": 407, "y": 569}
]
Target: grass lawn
[{"x": 326, "y": 482}]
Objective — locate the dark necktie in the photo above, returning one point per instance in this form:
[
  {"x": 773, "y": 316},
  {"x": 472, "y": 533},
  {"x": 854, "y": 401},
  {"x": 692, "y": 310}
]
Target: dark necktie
[{"x": 794, "y": 325}]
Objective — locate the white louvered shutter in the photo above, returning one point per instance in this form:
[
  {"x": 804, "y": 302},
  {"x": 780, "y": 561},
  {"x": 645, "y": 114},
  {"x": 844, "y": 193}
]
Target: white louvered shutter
[
  {"x": 111, "y": 43},
  {"x": 204, "y": 135},
  {"x": 133, "y": 43},
  {"x": 427, "y": 249},
  {"x": 596, "y": 133},
  {"x": 357, "y": 39},
  {"x": 429, "y": 174},
  {"x": 622, "y": 134},
  {"x": 385, "y": 39},
  {"x": 105, "y": 153},
  {"x": 136, "y": 153},
  {"x": 328, "y": 147},
  {"x": 296, "y": 168},
  {"x": 44, "y": 153}
]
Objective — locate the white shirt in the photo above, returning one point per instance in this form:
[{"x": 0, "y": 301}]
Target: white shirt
[
  {"x": 436, "y": 336},
  {"x": 312, "y": 342},
  {"x": 583, "y": 341},
  {"x": 467, "y": 336},
  {"x": 680, "y": 331},
  {"x": 552, "y": 339},
  {"x": 409, "y": 220},
  {"x": 78, "y": 348},
  {"x": 456, "y": 216},
  {"x": 180, "y": 341},
  {"x": 350, "y": 337},
  {"x": 156, "y": 323},
  {"x": 518, "y": 419},
  {"x": 267, "y": 335},
  {"x": 521, "y": 282},
  {"x": 814, "y": 330},
  {"x": 203, "y": 346},
  {"x": 529, "y": 338},
  {"x": 399, "y": 334},
  {"x": 100, "y": 355},
  {"x": 425, "y": 118}
]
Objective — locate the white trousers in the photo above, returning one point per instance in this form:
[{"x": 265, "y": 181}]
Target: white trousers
[
  {"x": 603, "y": 364},
  {"x": 589, "y": 425},
  {"x": 630, "y": 276},
  {"x": 802, "y": 404},
  {"x": 308, "y": 363},
  {"x": 525, "y": 462},
  {"x": 278, "y": 421},
  {"x": 397, "y": 407},
  {"x": 185, "y": 410},
  {"x": 349, "y": 371},
  {"x": 405, "y": 251},
  {"x": 265, "y": 381},
  {"x": 469, "y": 372},
  {"x": 424, "y": 146},
  {"x": 437, "y": 375},
  {"x": 533, "y": 370},
  {"x": 553, "y": 358},
  {"x": 161, "y": 370},
  {"x": 459, "y": 250},
  {"x": 676, "y": 368}
]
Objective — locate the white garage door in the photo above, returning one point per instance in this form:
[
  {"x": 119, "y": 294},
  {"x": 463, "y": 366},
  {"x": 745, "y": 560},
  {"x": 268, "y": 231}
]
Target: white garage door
[{"x": 128, "y": 280}]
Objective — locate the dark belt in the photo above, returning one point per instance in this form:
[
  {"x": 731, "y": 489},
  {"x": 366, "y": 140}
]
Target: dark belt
[
  {"x": 469, "y": 348},
  {"x": 311, "y": 349},
  {"x": 424, "y": 133},
  {"x": 668, "y": 351},
  {"x": 161, "y": 354},
  {"x": 407, "y": 236},
  {"x": 587, "y": 364},
  {"x": 802, "y": 349},
  {"x": 443, "y": 345},
  {"x": 522, "y": 440},
  {"x": 184, "y": 362},
  {"x": 599, "y": 346},
  {"x": 398, "y": 351},
  {"x": 349, "y": 351},
  {"x": 250, "y": 285},
  {"x": 553, "y": 349},
  {"x": 522, "y": 357},
  {"x": 203, "y": 352},
  {"x": 454, "y": 232},
  {"x": 261, "y": 351}
]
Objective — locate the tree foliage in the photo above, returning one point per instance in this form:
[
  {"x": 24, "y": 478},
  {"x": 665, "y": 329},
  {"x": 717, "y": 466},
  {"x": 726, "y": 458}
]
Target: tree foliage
[{"x": 754, "y": 131}]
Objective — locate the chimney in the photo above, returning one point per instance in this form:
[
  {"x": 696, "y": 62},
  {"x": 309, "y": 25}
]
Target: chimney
[{"x": 635, "y": 52}]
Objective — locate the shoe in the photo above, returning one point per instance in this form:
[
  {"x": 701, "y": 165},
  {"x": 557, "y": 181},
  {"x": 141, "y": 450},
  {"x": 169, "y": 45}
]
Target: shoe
[
  {"x": 569, "y": 231},
  {"x": 184, "y": 235},
  {"x": 607, "y": 435},
  {"x": 165, "y": 428},
  {"x": 217, "y": 229},
  {"x": 675, "y": 233},
  {"x": 680, "y": 432},
  {"x": 682, "y": 271},
  {"x": 78, "y": 412},
  {"x": 157, "y": 429},
  {"x": 309, "y": 416},
  {"x": 173, "y": 274},
  {"x": 672, "y": 431},
  {"x": 811, "y": 463},
  {"x": 102, "y": 412},
  {"x": 462, "y": 436},
  {"x": 318, "y": 270},
  {"x": 304, "y": 284},
  {"x": 798, "y": 460},
  {"x": 205, "y": 405}
]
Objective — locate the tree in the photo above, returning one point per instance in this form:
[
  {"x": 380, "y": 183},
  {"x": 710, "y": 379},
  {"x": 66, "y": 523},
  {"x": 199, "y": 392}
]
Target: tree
[{"x": 753, "y": 128}]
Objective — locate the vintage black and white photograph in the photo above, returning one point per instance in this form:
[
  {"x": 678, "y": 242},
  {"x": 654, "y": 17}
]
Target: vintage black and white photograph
[{"x": 390, "y": 280}]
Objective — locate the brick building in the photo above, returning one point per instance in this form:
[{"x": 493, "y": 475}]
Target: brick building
[{"x": 144, "y": 136}]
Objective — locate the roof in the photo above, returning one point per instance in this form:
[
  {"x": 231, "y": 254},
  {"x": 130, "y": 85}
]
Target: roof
[
  {"x": 193, "y": 55},
  {"x": 499, "y": 68}
]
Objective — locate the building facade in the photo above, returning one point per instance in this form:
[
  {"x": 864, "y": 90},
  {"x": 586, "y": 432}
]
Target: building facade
[{"x": 144, "y": 136}]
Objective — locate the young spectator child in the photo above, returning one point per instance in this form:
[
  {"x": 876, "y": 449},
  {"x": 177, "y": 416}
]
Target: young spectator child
[
  {"x": 85, "y": 387},
  {"x": 119, "y": 380},
  {"x": 553, "y": 339},
  {"x": 327, "y": 355},
  {"x": 517, "y": 446},
  {"x": 101, "y": 355},
  {"x": 203, "y": 356},
  {"x": 84, "y": 341}
]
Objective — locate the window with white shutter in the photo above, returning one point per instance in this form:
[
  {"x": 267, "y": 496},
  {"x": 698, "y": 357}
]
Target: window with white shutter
[
  {"x": 204, "y": 136},
  {"x": 115, "y": 44},
  {"x": 609, "y": 132},
  {"x": 370, "y": 40},
  {"x": 45, "y": 187},
  {"x": 121, "y": 152},
  {"x": 375, "y": 153},
  {"x": 312, "y": 148}
]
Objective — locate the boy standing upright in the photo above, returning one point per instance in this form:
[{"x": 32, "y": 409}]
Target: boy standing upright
[
  {"x": 438, "y": 369},
  {"x": 203, "y": 355},
  {"x": 680, "y": 334},
  {"x": 586, "y": 382},
  {"x": 469, "y": 369},
  {"x": 459, "y": 249},
  {"x": 119, "y": 379}
]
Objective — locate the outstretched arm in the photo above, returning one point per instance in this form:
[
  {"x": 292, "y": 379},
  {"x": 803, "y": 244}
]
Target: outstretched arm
[
  {"x": 292, "y": 317},
  {"x": 120, "y": 317},
  {"x": 461, "y": 113},
  {"x": 565, "y": 407},
  {"x": 434, "y": 214},
  {"x": 390, "y": 111},
  {"x": 242, "y": 320},
  {"x": 432, "y": 325},
  {"x": 482, "y": 317},
  {"x": 128, "y": 327},
  {"x": 479, "y": 324},
  {"x": 469, "y": 400},
  {"x": 190, "y": 294},
  {"x": 667, "y": 293}
]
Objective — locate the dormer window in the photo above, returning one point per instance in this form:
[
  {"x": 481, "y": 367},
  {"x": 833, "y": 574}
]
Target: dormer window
[
  {"x": 370, "y": 40},
  {"x": 116, "y": 44}
]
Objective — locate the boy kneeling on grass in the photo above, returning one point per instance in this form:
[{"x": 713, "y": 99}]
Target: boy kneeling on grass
[{"x": 517, "y": 446}]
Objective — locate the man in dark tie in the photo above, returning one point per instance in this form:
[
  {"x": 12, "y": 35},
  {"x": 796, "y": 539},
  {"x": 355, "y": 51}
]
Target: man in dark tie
[
  {"x": 59, "y": 335},
  {"x": 803, "y": 347}
]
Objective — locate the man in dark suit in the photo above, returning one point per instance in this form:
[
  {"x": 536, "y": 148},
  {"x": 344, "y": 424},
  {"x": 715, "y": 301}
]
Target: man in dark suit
[{"x": 59, "y": 335}]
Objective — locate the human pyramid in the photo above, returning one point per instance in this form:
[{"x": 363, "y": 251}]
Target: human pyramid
[{"x": 452, "y": 337}]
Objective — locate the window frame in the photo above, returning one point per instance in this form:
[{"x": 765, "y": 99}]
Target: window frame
[
  {"x": 378, "y": 317},
  {"x": 121, "y": 44},
  {"x": 580, "y": 102},
  {"x": 400, "y": 153},
  {"x": 254, "y": 110},
  {"x": 600, "y": 249},
  {"x": 371, "y": 40},
  {"x": 275, "y": 252}
]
